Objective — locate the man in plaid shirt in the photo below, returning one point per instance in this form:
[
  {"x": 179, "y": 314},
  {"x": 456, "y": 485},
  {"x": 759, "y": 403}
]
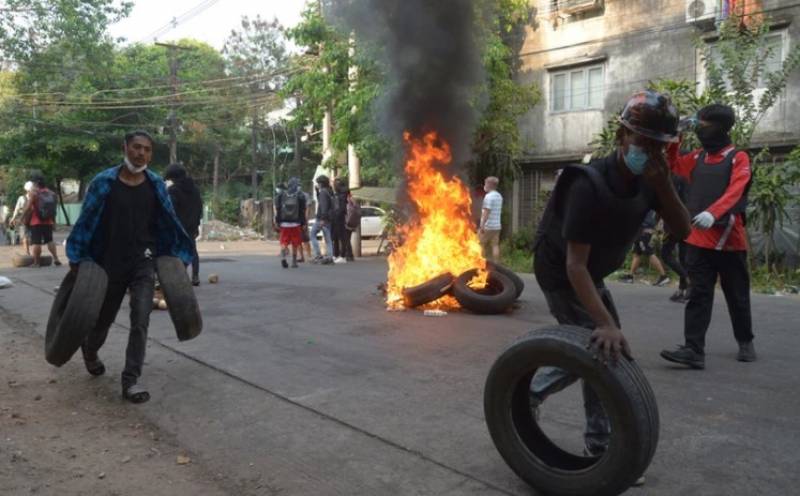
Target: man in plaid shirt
[{"x": 127, "y": 220}]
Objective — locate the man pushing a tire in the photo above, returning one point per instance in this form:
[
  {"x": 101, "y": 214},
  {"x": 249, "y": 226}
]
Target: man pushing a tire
[
  {"x": 588, "y": 227},
  {"x": 127, "y": 220}
]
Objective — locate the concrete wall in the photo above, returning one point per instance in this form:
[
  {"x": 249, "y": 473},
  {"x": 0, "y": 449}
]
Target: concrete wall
[{"x": 636, "y": 41}]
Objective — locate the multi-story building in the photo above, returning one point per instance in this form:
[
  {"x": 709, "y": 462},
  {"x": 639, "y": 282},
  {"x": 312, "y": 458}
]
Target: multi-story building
[{"x": 588, "y": 56}]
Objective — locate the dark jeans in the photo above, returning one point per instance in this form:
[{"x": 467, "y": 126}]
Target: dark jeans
[
  {"x": 341, "y": 239},
  {"x": 195, "y": 262},
  {"x": 567, "y": 310},
  {"x": 141, "y": 282},
  {"x": 678, "y": 265},
  {"x": 704, "y": 266}
]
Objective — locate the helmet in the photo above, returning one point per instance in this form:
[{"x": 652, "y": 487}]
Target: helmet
[{"x": 651, "y": 115}]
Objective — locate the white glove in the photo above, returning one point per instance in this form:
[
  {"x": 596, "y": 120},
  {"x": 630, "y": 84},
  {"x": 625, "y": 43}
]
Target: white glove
[{"x": 703, "y": 220}]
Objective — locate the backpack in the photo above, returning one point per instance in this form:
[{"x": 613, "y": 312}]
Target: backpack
[
  {"x": 290, "y": 207},
  {"x": 46, "y": 205},
  {"x": 352, "y": 216}
]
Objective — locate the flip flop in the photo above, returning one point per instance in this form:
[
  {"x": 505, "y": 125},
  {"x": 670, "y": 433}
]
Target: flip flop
[{"x": 136, "y": 394}]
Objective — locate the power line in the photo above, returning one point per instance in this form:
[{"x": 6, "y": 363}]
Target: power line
[{"x": 189, "y": 14}]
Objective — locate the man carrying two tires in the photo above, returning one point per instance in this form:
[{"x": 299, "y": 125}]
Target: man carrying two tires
[{"x": 127, "y": 220}]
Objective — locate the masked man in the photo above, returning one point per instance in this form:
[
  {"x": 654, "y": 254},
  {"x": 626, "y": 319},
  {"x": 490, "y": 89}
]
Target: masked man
[
  {"x": 587, "y": 229},
  {"x": 127, "y": 220},
  {"x": 719, "y": 179}
]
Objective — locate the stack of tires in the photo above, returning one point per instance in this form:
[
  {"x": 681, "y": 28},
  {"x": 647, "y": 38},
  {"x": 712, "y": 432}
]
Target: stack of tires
[
  {"x": 504, "y": 287},
  {"x": 623, "y": 390}
]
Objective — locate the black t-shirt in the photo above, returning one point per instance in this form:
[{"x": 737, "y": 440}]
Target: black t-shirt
[
  {"x": 128, "y": 227},
  {"x": 578, "y": 213}
]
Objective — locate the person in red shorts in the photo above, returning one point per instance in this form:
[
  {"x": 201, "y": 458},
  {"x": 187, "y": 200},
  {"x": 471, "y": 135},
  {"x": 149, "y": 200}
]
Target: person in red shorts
[{"x": 290, "y": 217}]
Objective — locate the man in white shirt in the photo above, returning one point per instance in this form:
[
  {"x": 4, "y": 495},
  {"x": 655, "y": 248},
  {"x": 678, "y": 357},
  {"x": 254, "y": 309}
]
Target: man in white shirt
[{"x": 489, "y": 232}]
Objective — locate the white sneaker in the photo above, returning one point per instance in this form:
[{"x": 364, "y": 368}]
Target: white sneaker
[{"x": 339, "y": 260}]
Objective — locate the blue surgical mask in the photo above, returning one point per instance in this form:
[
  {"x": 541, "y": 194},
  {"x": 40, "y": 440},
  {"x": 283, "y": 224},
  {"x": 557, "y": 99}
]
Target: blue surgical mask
[{"x": 636, "y": 160}]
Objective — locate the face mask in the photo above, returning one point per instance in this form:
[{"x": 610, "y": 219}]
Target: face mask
[
  {"x": 132, "y": 168},
  {"x": 169, "y": 183},
  {"x": 712, "y": 138},
  {"x": 636, "y": 160}
]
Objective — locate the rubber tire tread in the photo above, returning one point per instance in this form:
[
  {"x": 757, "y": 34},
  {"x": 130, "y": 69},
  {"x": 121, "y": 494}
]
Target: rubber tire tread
[
  {"x": 484, "y": 304},
  {"x": 428, "y": 291},
  {"x": 74, "y": 312},
  {"x": 19, "y": 260},
  {"x": 610, "y": 475},
  {"x": 519, "y": 284},
  {"x": 184, "y": 310}
]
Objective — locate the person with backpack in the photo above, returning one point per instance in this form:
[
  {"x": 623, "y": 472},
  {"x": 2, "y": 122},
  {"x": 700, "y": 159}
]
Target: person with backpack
[
  {"x": 342, "y": 247},
  {"x": 20, "y": 219},
  {"x": 42, "y": 205},
  {"x": 188, "y": 203},
  {"x": 290, "y": 217},
  {"x": 322, "y": 222}
]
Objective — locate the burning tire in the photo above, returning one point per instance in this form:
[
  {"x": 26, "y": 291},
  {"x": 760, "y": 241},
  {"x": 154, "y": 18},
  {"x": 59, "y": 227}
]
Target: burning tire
[
  {"x": 519, "y": 284},
  {"x": 626, "y": 396},
  {"x": 74, "y": 313},
  {"x": 498, "y": 295},
  {"x": 428, "y": 292},
  {"x": 184, "y": 311}
]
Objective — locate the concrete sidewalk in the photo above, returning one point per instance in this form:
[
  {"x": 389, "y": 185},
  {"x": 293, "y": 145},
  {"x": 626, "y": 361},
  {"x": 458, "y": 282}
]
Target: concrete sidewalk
[{"x": 302, "y": 383}]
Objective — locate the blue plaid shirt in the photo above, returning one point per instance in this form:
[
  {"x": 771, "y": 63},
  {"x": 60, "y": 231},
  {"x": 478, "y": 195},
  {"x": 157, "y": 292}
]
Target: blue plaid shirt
[{"x": 171, "y": 238}]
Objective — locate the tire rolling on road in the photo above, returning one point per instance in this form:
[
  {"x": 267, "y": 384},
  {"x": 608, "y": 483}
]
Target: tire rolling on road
[
  {"x": 74, "y": 313},
  {"x": 626, "y": 396},
  {"x": 519, "y": 284},
  {"x": 428, "y": 291},
  {"x": 179, "y": 295},
  {"x": 498, "y": 296}
]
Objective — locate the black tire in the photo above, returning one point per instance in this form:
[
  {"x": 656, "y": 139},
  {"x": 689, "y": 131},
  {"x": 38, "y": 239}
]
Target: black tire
[
  {"x": 19, "y": 260},
  {"x": 626, "y": 396},
  {"x": 429, "y": 291},
  {"x": 45, "y": 260},
  {"x": 496, "y": 298},
  {"x": 74, "y": 313},
  {"x": 519, "y": 284},
  {"x": 181, "y": 300}
]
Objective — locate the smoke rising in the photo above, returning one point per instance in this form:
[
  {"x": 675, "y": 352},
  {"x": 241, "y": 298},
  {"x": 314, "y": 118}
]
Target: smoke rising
[{"x": 434, "y": 65}]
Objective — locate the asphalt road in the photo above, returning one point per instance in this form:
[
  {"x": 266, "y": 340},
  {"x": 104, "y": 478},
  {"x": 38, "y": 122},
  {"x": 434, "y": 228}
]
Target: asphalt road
[{"x": 303, "y": 382}]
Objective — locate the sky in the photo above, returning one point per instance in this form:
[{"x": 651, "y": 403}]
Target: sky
[{"x": 212, "y": 24}]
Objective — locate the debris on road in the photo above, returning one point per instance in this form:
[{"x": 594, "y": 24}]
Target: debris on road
[
  {"x": 435, "y": 313},
  {"x": 213, "y": 278},
  {"x": 183, "y": 460},
  {"x": 216, "y": 230}
]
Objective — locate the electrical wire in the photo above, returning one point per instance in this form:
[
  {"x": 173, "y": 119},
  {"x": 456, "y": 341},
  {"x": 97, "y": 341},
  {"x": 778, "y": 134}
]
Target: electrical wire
[{"x": 176, "y": 21}]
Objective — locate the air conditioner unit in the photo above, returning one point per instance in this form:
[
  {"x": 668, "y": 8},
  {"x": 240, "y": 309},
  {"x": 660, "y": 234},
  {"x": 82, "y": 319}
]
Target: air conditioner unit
[
  {"x": 578, "y": 6},
  {"x": 702, "y": 11}
]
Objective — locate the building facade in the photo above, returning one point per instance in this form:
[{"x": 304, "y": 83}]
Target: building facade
[{"x": 589, "y": 56}]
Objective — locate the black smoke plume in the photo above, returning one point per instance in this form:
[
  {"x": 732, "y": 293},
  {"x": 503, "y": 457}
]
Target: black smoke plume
[{"x": 434, "y": 65}]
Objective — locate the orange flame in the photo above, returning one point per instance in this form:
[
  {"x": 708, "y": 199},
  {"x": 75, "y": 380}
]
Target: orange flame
[{"x": 441, "y": 238}]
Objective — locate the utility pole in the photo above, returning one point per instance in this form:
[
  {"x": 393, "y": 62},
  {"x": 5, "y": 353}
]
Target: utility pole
[
  {"x": 254, "y": 150},
  {"x": 172, "y": 52},
  {"x": 353, "y": 162}
]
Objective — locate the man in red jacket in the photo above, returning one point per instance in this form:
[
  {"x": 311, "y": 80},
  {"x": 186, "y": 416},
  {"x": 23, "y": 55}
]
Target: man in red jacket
[{"x": 719, "y": 178}]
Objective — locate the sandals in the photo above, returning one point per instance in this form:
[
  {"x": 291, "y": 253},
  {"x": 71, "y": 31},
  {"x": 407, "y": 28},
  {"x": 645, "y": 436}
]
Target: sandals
[
  {"x": 135, "y": 394},
  {"x": 95, "y": 367}
]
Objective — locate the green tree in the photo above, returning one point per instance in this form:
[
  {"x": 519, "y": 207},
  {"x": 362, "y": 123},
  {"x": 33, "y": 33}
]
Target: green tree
[{"x": 497, "y": 143}]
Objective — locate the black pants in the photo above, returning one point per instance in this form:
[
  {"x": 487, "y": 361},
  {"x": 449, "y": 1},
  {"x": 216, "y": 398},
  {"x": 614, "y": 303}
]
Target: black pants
[
  {"x": 141, "y": 282},
  {"x": 704, "y": 266},
  {"x": 341, "y": 239},
  {"x": 678, "y": 265},
  {"x": 195, "y": 262},
  {"x": 568, "y": 310}
]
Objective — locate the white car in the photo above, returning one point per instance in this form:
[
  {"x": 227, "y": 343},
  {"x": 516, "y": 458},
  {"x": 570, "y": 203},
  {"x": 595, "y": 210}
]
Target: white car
[{"x": 371, "y": 222}]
